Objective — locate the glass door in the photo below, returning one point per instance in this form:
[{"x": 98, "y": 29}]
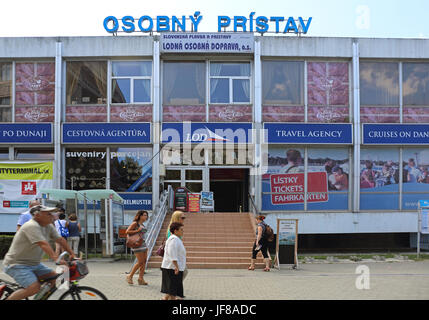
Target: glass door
[{"x": 192, "y": 178}]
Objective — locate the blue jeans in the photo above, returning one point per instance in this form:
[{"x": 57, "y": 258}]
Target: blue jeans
[{"x": 26, "y": 275}]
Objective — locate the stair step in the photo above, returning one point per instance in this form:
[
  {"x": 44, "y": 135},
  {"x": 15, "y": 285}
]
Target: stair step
[{"x": 215, "y": 241}]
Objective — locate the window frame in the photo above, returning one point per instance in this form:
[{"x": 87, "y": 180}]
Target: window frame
[
  {"x": 131, "y": 79},
  {"x": 230, "y": 83}
]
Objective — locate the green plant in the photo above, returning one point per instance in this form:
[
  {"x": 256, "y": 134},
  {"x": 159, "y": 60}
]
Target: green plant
[{"x": 5, "y": 242}]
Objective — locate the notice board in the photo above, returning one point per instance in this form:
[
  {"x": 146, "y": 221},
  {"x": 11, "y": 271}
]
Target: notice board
[
  {"x": 180, "y": 199},
  {"x": 193, "y": 202},
  {"x": 287, "y": 242}
]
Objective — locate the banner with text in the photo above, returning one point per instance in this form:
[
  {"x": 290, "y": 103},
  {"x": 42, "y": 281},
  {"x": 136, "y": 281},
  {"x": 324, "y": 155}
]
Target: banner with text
[
  {"x": 215, "y": 132},
  {"x": 308, "y": 133},
  {"x": 106, "y": 132},
  {"x": 207, "y": 42},
  {"x": 26, "y": 133},
  {"x": 20, "y": 183},
  {"x": 395, "y": 134},
  {"x": 289, "y": 188}
]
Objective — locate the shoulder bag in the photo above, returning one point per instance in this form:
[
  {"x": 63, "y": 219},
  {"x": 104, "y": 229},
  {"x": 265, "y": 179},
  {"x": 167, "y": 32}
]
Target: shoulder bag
[
  {"x": 161, "y": 249},
  {"x": 135, "y": 240}
]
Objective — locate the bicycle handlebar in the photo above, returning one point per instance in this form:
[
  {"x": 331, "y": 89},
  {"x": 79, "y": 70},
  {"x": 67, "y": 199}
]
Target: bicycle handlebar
[{"x": 61, "y": 256}]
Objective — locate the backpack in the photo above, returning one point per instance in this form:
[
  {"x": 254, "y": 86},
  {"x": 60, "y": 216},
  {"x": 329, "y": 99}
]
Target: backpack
[
  {"x": 64, "y": 232},
  {"x": 269, "y": 233}
]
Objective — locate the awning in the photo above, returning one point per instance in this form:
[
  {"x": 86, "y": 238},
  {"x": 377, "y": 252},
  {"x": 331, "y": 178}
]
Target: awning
[{"x": 91, "y": 195}]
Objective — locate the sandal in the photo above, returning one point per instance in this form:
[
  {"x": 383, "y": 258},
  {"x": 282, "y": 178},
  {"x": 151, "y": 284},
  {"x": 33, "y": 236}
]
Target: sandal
[
  {"x": 251, "y": 268},
  {"x": 130, "y": 280},
  {"x": 266, "y": 269},
  {"x": 142, "y": 282}
]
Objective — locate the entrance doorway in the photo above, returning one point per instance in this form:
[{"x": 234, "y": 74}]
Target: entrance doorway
[{"x": 230, "y": 189}]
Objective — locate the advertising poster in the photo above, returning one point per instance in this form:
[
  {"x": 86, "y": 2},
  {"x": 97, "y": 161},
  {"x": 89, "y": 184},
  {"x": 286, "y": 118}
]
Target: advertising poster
[
  {"x": 327, "y": 179},
  {"x": 287, "y": 232},
  {"x": 287, "y": 242},
  {"x": 193, "y": 202},
  {"x": 20, "y": 183},
  {"x": 207, "y": 201},
  {"x": 380, "y": 177}
]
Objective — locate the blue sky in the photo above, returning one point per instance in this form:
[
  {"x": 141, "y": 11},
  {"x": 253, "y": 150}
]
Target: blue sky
[{"x": 342, "y": 18}]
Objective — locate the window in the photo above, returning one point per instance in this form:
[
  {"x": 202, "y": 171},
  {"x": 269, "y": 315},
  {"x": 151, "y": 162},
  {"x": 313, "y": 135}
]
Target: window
[
  {"x": 4, "y": 153},
  {"x": 229, "y": 82},
  {"x": 86, "y": 82},
  {"x": 379, "y": 83},
  {"x": 5, "y": 92},
  {"x": 85, "y": 169},
  {"x": 415, "y": 84},
  {"x": 283, "y": 82},
  {"x": 131, "y": 169},
  {"x": 184, "y": 83},
  {"x": 327, "y": 175},
  {"x": 46, "y": 154},
  {"x": 131, "y": 81}
]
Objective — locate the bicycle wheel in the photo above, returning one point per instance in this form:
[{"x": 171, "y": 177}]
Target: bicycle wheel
[{"x": 83, "y": 293}]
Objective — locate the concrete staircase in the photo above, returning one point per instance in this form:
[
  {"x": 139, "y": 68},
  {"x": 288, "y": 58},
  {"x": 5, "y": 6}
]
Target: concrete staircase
[{"x": 219, "y": 240}]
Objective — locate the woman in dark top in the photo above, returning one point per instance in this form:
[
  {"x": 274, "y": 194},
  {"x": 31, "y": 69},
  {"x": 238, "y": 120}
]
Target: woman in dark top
[
  {"x": 74, "y": 233},
  {"x": 141, "y": 252},
  {"x": 260, "y": 244}
]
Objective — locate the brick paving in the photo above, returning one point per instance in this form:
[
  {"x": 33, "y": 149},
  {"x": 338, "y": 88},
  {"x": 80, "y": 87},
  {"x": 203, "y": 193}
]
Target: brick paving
[{"x": 333, "y": 281}]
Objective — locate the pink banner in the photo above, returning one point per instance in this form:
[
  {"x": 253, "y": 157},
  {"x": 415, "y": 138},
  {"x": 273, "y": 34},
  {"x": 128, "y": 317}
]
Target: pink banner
[
  {"x": 379, "y": 114},
  {"x": 282, "y": 114},
  {"x": 228, "y": 113},
  {"x": 35, "y": 114},
  {"x": 328, "y": 114},
  {"x": 184, "y": 113},
  {"x": 131, "y": 113},
  {"x": 86, "y": 113},
  {"x": 328, "y": 83},
  {"x": 35, "y": 83},
  {"x": 416, "y": 115}
]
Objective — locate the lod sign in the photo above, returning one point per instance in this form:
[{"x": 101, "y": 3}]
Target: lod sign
[
  {"x": 250, "y": 23},
  {"x": 197, "y": 132}
]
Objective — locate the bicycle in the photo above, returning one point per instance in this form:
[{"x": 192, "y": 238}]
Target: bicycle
[{"x": 77, "y": 271}]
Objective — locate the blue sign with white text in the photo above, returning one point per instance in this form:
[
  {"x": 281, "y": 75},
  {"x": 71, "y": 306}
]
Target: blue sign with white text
[
  {"x": 137, "y": 201},
  {"x": 308, "y": 133},
  {"x": 26, "y": 133},
  {"x": 106, "y": 133},
  {"x": 395, "y": 134},
  {"x": 197, "y": 132}
]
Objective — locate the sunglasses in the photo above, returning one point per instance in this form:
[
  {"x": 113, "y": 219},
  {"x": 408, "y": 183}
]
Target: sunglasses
[{"x": 182, "y": 217}]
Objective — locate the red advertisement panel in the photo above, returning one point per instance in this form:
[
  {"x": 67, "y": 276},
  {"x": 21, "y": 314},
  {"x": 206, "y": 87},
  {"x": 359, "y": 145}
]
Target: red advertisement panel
[{"x": 289, "y": 188}]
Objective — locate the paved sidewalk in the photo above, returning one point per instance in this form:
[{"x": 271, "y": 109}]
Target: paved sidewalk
[{"x": 336, "y": 281}]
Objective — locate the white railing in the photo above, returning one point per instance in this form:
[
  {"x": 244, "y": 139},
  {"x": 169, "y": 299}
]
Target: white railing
[{"x": 155, "y": 225}]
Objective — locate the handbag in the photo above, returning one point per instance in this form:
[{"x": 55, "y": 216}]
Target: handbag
[
  {"x": 134, "y": 241},
  {"x": 161, "y": 249}
]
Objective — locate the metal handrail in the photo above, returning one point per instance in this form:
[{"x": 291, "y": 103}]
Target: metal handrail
[
  {"x": 256, "y": 211},
  {"x": 156, "y": 226}
]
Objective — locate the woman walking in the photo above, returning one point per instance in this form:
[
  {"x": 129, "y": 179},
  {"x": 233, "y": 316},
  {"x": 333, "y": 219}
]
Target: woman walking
[
  {"x": 260, "y": 244},
  {"x": 141, "y": 252},
  {"x": 173, "y": 264},
  {"x": 177, "y": 216},
  {"x": 74, "y": 233}
]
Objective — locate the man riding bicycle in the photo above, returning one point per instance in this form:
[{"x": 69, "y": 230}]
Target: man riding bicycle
[{"x": 22, "y": 261}]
